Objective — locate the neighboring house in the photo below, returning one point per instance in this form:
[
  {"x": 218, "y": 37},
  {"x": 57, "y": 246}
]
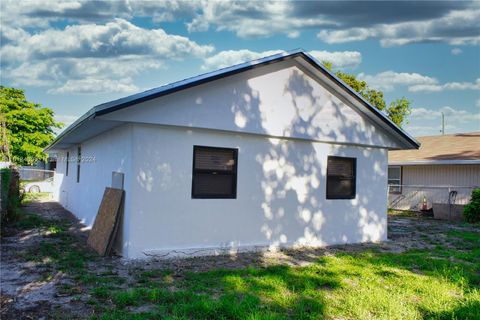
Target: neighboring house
[
  {"x": 41, "y": 170},
  {"x": 445, "y": 169},
  {"x": 273, "y": 152}
]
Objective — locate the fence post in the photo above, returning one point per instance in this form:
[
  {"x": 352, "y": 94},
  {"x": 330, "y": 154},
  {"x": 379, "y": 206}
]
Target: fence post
[{"x": 449, "y": 205}]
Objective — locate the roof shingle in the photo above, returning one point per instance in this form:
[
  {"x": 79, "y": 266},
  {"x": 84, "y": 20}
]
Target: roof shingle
[{"x": 461, "y": 146}]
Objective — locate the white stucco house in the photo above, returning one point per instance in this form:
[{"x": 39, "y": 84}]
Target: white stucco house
[{"x": 274, "y": 152}]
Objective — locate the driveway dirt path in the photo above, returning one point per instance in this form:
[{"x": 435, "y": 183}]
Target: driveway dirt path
[{"x": 36, "y": 289}]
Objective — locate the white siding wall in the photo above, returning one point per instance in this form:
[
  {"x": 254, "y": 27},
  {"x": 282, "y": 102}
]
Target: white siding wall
[
  {"x": 442, "y": 175},
  {"x": 433, "y": 183},
  {"x": 111, "y": 151},
  {"x": 280, "y": 194}
]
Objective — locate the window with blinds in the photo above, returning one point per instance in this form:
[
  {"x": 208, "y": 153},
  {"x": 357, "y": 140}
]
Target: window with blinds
[
  {"x": 341, "y": 178},
  {"x": 214, "y": 173}
]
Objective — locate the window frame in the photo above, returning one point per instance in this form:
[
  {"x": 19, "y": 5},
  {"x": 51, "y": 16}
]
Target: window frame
[
  {"x": 79, "y": 157},
  {"x": 354, "y": 178},
  {"x": 233, "y": 172},
  {"x": 399, "y": 185}
]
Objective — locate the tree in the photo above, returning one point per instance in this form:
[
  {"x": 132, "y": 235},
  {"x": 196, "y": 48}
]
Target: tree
[
  {"x": 29, "y": 127},
  {"x": 397, "y": 111}
]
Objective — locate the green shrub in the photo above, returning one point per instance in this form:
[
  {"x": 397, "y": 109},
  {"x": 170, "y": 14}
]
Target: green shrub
[
  {"x": 471, "y": 212},
  {"x": 10, "y": 194}
]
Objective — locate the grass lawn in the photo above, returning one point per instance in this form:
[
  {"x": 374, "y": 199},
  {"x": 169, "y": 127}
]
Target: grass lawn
[
  {"x": 29, "y": 197},
  {"x": 441, "y": 282},
  {"x": 369, "y": 285},
  {"x": 361, "y": 286}
]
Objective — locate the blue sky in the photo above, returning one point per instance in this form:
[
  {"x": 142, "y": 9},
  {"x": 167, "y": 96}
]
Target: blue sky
[{"x": 73, "y": 55}]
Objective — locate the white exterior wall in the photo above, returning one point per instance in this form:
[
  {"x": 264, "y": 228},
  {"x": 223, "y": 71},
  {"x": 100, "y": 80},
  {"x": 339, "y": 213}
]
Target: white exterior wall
[
  {"x": 279, "y": 100},
  {"x": 111, "y": 151},
  {"x": 285, "y": 123},
  {"x": 281, "y": 194}
]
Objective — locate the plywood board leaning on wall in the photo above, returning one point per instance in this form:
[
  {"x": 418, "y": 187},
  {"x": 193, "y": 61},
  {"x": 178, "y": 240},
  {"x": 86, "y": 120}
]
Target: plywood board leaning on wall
[{"x": 105, "y": 227}]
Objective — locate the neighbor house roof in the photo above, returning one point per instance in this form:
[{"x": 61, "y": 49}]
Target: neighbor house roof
[
  {"x": 128, "y": 101},
  {"x": 461, "y": 148}
]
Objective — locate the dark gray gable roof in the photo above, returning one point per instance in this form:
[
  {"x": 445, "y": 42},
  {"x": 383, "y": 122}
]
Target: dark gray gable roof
[{"x": 221, "y": 73}]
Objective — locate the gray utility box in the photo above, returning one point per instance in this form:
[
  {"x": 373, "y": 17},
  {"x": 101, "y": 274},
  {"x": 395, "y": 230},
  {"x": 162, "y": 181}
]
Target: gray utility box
[{"x": 447, "y": 211}]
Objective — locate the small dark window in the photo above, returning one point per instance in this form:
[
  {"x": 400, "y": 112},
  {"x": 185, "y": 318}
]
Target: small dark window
[
  {"x": 214, "y": 173},
  {"x": 68, "y": 159},
  {"x": 395, "y": 179},
  {"x": 79, "y": 158},
  {"x": 341, "y": 180}
]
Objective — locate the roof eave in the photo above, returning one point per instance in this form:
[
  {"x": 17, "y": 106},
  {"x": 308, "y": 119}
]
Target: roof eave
[{"x": 433, "y": 162}]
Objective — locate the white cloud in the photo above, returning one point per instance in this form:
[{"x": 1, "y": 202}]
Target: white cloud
[
  {"x": 425, "y": 121},
  {"x": 90, "y": 85},
  {"x": 91, "y": 56},
  {"x": 387, "y": 80},
  {"x": 455, "y": 28},
  {"x": 339, "y": 59},
  {"x": 253, "y": 18},
  {"x": 343, "y": 21},
  {"x": 62, "y": 73},
  {"x": 456, "y": 51},
  {"x": 416, "y": 82},
  {"x": 453, "y": 114},
  {"x": 59, "y": 70},
  {"x": 446, "y": 86},
  {"x": 348, "y": 35},
  {"x": 231, "y": 57},
  {"x": 65, "y": 119},
  {"x": 115, "y": 38}
]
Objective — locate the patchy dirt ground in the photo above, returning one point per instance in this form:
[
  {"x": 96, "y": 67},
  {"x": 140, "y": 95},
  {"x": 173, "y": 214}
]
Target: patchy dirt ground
[{"x": 36, "y": 286}]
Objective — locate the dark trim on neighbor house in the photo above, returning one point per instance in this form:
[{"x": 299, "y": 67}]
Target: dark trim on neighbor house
[
  {"x": 233, "y": 173},
  {"x": 353, "y": 194}
]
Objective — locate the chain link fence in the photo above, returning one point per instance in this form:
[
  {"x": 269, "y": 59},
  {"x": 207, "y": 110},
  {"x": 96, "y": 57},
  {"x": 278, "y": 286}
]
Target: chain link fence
[{"x": 445, "y": 202}]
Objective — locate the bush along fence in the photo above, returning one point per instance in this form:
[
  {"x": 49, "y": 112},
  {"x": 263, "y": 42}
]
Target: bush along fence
[
  {"x": 9, "y": 194},
  {"x": 471, "y": 212}
]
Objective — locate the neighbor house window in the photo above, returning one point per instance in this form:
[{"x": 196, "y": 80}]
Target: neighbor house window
[
  {"x": 66, "y": 168},
  {"x": 395, "y": 179},
  {"x": 79, "y": 157},
  {"x": 341, "y": 179},
  {"x": 214, "y": 173}
]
